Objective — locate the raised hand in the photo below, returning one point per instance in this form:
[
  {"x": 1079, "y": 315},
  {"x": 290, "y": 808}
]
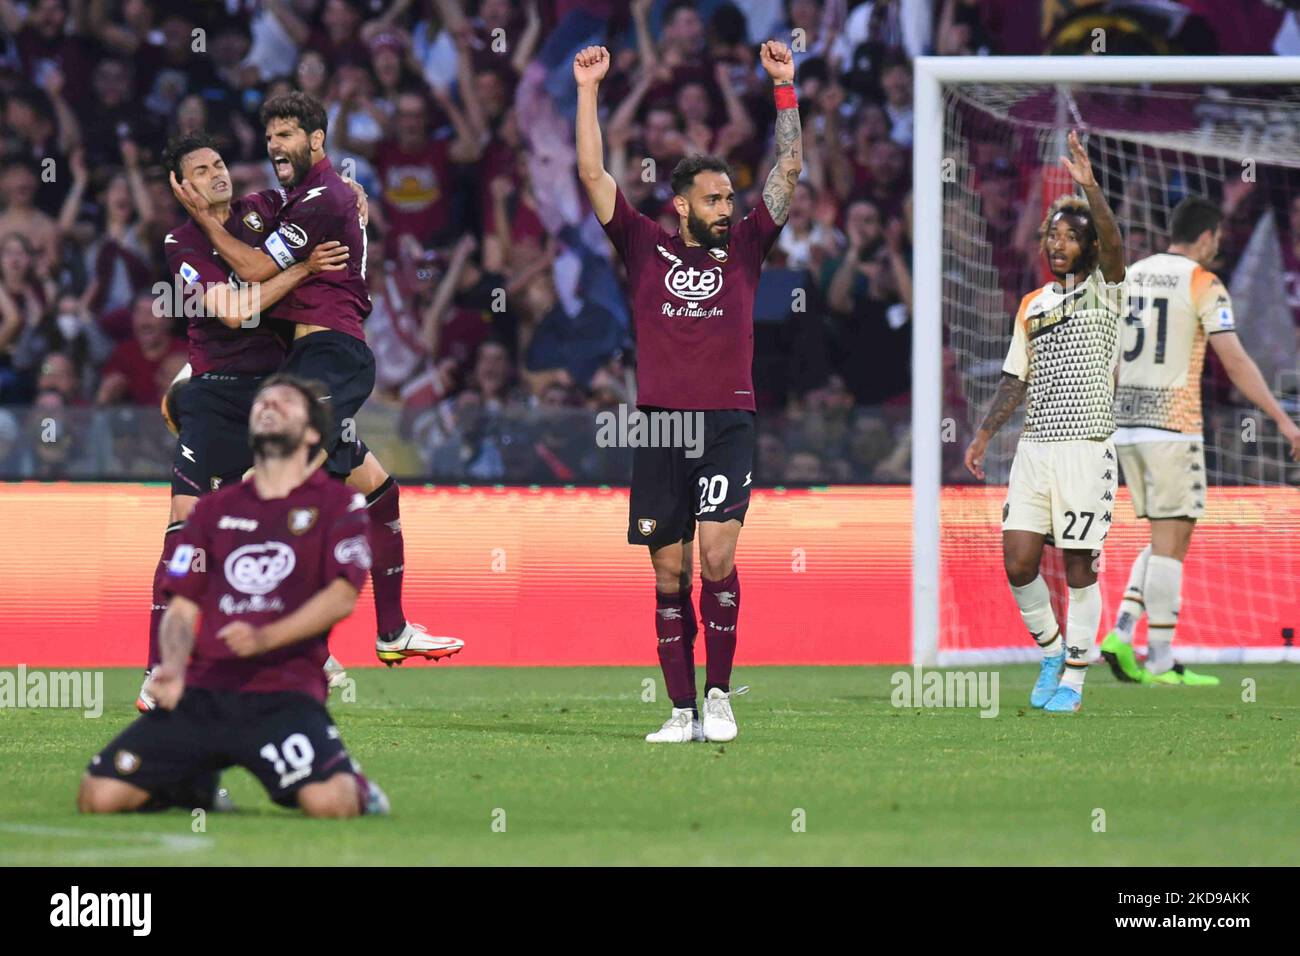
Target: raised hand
[
  {"x": 778, "y": 61},
  {"x": 590, "y": 65},
  {"x": 1077, "y": 162}
]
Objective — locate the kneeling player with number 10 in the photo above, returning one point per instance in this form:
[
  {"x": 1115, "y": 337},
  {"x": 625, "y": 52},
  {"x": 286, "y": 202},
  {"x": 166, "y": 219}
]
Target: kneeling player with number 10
[{"x": 285, "y": 555}]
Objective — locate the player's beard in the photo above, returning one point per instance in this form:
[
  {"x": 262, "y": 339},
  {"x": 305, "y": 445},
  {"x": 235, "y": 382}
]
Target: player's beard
[
  {"x": 301, "y": 163},
  {"x": 276, "y": 444},
  {"x": 702, "y": 232}
]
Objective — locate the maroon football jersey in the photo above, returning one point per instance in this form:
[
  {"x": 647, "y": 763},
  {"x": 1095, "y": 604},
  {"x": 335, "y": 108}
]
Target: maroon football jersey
[
  {"x": 214, "y": 347},
  {"x": 243, "y": 558},
  {"x": 693, "y": 308},
  {"x": 322, "y": 207}
]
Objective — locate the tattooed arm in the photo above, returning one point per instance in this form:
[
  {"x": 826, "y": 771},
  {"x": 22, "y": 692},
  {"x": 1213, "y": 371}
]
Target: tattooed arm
[
  {"x": 1010, "y": 393},
  {"x": 789, "y": 136},
  {"x": 1110, "y": 252}
]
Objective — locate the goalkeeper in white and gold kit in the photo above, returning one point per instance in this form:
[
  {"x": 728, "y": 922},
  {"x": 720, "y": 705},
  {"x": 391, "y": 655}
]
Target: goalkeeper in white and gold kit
[
  {"x": 1175, "y": 306},
  {"x": 1062, "y": 359}
]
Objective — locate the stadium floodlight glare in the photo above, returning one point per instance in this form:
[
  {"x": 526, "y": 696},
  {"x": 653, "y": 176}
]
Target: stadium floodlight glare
[{"x": 953, "y": 97}]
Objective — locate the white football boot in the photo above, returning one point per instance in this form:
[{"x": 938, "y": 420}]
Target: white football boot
[
  {"x": 680, "y": 728},
  {"x": 146, "y": 702},
  {"x": 335, "y": 673},
  {"x": 719, "y": 722},
  {"x": 415, "y": 641}
]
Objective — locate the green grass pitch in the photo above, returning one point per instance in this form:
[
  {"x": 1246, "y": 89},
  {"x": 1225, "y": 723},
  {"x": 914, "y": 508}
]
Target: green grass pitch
[{"x": 1182, "y": 775}]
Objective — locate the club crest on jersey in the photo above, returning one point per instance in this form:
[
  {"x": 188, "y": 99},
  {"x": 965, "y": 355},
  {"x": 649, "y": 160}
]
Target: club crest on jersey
[
  {"x": 692, "y": 284},
  {"x": 302, "y": 519},
  {"x": 646, "y": 526},
  {"x": 718, "y": 253},
  {"x": 126, "y": 762},
  {"x": 254, "y": 222},
  {"x": 293, "y": 235}
]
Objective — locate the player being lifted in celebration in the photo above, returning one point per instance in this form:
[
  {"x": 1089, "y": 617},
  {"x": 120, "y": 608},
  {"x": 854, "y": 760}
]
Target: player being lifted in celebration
[
  {"x": 1176, "y": 305},
  {"x": 329, "y": 345},
  {"x": 693, "y": 305},
  {"x": 244, "y": 640},
  {"x": 1062, "y": 358},
  {"x": 232, "y": 345}
]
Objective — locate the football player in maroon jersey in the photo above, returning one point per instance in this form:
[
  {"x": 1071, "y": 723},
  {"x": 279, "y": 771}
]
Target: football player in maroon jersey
[{"x": 692, "y": 297}]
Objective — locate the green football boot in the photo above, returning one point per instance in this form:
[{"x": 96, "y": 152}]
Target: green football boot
[{"x": 1123, "y": 662}]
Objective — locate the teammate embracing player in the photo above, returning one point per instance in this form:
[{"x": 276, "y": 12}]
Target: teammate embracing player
[
  {"x": 1062, "y": 358},
  {"x": 329, "y": 345},
  {"x": 233, "y": 345},
  {"x": 693, "y": 304},
  {"x": 1176, "y": 306}
]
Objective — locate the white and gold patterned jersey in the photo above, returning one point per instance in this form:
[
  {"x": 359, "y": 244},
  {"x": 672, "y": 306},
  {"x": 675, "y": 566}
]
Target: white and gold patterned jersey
[
  {"x": 1065, "y": 346},
  {"x": 1174, "y": 304}
]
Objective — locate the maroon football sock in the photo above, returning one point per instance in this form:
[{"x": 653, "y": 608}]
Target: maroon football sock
[
  {"x": 159, "y": 601},
  {"x": 719, "y": 609},
  {"x": 388, "y": 550},
  {"x": 679, "y": 680},
  {"x": 690, "y": 630}
]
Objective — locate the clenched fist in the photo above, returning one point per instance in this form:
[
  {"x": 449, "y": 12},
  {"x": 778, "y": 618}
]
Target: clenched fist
[
  {"x": 590, "y": 65},
  {"x": 778, "y": 61}
]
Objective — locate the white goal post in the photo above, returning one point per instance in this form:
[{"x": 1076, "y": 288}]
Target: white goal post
[{"x": 931, "y": 75}]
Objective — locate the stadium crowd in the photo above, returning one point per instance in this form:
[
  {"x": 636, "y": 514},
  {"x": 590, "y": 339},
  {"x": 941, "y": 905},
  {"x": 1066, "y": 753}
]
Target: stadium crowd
[{"x": 500, "y": 324}]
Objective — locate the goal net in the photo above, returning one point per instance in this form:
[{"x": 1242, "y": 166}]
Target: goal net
[{"x": 1150, "y": 145}]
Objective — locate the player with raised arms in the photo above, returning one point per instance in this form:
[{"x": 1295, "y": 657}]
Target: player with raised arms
[
  {"x": 329, "y": 345},
  {"x": 233, "y": 346},
  {"x": 244, "y": 641},
  {"x": 1062, "y": 359},
  {"x": 1176, "y": 305},
  {"x": 693, "y": 306}
]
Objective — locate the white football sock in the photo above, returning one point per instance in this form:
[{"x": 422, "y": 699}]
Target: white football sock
[
  {"x": 1164, "y": 595},
  {"x": 1081, "y": 625},
  {"x": 1130, "y": 609},
  {"x": 1035, "y": 603}
]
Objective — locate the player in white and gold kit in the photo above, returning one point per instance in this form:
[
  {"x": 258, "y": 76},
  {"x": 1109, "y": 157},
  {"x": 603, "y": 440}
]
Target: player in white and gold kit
[
  {"x": 1175, "y": 307},
  {"x": 1062, "y": 360}
]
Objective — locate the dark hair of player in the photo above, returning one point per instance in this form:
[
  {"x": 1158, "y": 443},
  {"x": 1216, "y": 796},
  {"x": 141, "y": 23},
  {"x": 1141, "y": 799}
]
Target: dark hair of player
[
  {"x": 180, "y": 147},
  {"x": 320, "y": 415},
  {"x": 1192, "y": 217},
  {"x": 298, "y": 106},
  {"x": 1075, "y": 207},
  {"x": 685, "y": 171}
]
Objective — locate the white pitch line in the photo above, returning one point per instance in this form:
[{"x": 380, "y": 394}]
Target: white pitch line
[{"x": 177, "y": 842}]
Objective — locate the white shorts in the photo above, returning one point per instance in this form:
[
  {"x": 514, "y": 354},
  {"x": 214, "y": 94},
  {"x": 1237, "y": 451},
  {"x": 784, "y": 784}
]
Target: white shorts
[
  {"x": 1165, "y": 478},
  {"x": 1064, "y": 489}
]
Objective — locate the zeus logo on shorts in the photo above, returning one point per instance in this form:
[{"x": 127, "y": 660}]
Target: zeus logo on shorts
[
  {"x": 354, "y": 550},
  {"x": 692, "y": 284},
  {"x": 259, "y": 568}
]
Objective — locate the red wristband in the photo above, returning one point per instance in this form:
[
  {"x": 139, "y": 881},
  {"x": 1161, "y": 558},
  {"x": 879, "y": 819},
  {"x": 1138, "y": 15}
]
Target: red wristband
[{"x": 785, "y": 98}]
